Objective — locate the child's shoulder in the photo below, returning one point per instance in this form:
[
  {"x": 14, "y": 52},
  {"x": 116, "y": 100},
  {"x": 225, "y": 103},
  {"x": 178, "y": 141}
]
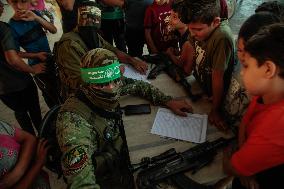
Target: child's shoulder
[{"x": 224, "y": 33}]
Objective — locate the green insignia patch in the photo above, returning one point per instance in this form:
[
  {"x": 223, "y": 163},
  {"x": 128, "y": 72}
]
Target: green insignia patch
[{"x": 75, "y": 160}]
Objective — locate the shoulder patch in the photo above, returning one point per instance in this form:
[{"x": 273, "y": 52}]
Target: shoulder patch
[{"x": 74, "y": 160}]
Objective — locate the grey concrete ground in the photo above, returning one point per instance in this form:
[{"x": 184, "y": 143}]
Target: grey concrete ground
[{"x": 244, "y": 9}]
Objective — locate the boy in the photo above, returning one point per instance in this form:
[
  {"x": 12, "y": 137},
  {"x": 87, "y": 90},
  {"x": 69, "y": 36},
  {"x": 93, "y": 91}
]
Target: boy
[
  {"x": 213, "y": 44},
  {"x": 259, "y": 161},
  {"x": 22, "y": 159},
  {"x": 28, "y": 33},
  {"x": 17, "y": 88},
  {"x": 158, "y": 35},
  {"x": 185, "y": 57}
]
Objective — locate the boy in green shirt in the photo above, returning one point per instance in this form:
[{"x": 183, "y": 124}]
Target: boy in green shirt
[{"x": 213, "y": 46}]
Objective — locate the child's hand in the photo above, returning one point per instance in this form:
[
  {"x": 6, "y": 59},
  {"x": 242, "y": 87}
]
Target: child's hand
[
  {"x": 42, "y": 56},
  {"x": 28, "y": 15},
  {"x": 41, "y": 152},
  {"x": 216, "y": 120},
  {"x": 38, "y": 68},
  {"x": 140, "y": 66},
  {"x": 170, "y": 51},
  {"x": 10, "y": 179},
  {"x": 249, "y": 182}
]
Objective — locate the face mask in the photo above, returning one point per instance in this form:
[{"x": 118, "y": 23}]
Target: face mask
[
  {"x": 104, "y": 97},
  {"x": 90, "y": 36},
  {"x": 113, "y": 92}
]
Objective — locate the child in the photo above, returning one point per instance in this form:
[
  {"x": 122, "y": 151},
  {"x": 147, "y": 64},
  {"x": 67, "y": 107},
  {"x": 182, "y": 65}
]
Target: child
[
  {"x": 158, "y": 35},
  {"x": 185, "y": 57},
  {"x": 17, "y": 148},
  {"x": 17, "y": 88},
  {"x": 28, "y": 33},
  {"x": 237, "y": 100},
  {"x": 213, "y": 45},
  {"x": 39, "y": 5},
  {"x": 259, "y": 161}
]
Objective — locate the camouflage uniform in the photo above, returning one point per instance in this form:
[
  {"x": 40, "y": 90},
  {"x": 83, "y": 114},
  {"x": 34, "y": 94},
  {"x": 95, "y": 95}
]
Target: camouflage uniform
[
  {"x": 83, "y": 132},
  {"x": 70, "y": 49}
]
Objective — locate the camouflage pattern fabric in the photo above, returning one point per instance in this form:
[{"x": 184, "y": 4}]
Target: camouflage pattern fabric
[
  {"x": 89, "y": 16},
  {"x": 235, "y": 104},
  {"x": 68, "y": 53},
  {"x": 81, "y": 134},
  {"x": 143, "y": 89},
  {"x": 78, "y": 142},
  {"x": 97, "y": 57}
]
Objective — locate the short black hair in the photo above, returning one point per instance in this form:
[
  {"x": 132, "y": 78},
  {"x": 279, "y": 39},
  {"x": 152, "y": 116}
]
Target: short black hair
[
  {"x": 179, "y": 6},
  {"x": 268, "y": 45},
  {"x": 255, "y": 22},
  {"x": 204, "y": 11}
]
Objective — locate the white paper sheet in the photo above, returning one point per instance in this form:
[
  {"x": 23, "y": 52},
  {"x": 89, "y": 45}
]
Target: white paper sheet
[
  {"x": 130, "y": 72},
  {"x": 191, "y": 128}
]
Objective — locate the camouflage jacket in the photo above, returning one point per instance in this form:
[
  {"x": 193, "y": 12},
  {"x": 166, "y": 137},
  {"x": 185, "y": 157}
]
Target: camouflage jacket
[{"x": 78, "y": 137}]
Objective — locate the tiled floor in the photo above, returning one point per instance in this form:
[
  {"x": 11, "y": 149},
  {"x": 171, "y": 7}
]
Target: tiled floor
[{"x": 244, "y": 9}]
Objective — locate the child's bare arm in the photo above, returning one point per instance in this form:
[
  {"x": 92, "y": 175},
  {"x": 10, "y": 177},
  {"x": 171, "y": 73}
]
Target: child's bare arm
[
  {"x": 17, "y": 63},
  {"x": 42, "y": 56},
  {"x": 118, "y": 3},
  {"x": 217, "y": 89},
  {"x": 139, "y": 65},
  {"x": 67, "y": 4},
  {"x": 28, "y": 144},
  {"x": 241, "y": 135},
  {"x": 175, "y": 59},
  {"x": 33, "y": 172},
  {"x": 150, "y": 41},
  {"x": 31, "y": 16},
  {"x": 187, "y": 54}
]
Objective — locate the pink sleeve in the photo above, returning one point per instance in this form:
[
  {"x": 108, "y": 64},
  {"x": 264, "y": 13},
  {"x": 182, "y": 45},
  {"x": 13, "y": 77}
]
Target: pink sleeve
[{"x": 40, "y": 6}]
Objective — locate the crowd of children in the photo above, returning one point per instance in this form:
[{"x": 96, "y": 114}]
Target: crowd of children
[{"x": 196, "y": 37}]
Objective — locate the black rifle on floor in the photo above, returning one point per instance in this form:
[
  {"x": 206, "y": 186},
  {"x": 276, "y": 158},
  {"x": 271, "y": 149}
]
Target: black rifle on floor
[
  {"x": 163, "y": 63},
  {"x": 170, "y": 163}
]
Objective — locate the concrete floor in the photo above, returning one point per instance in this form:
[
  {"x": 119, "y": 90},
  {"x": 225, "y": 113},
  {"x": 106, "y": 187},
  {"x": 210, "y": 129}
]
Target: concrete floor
[{"x": 244, "y": 9}]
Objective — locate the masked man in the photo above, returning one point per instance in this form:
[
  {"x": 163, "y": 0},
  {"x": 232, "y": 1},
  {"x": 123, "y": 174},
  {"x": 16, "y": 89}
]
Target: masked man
[
  {"x": 73, "y": 45},
  {"x": 89, "y": 125}
]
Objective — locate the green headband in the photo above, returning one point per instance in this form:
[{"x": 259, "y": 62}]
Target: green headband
[{"x": 103, "y": 74}]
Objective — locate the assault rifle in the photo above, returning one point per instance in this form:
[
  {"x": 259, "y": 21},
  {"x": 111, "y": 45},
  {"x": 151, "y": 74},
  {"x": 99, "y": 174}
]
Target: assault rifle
[
  {"x": 163, "y": 63},
  {"x": 170, "y": 163}
]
